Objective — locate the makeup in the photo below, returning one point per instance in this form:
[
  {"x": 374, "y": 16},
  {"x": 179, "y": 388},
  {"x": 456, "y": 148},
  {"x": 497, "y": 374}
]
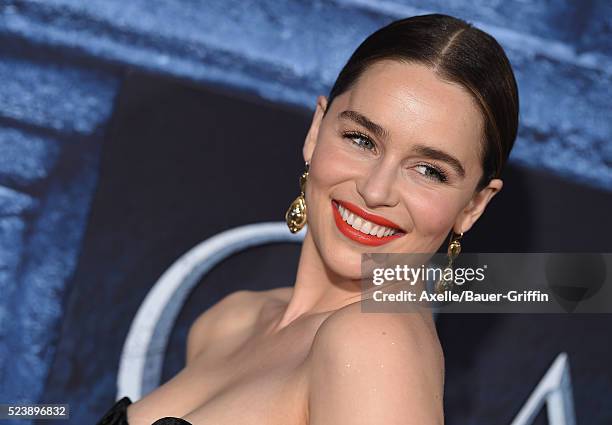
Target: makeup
[{"x": 363, "y": 227}]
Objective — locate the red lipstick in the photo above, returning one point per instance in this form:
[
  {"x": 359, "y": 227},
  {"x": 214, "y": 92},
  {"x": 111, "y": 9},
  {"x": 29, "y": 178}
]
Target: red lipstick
[{"x": 358, "y": 236}]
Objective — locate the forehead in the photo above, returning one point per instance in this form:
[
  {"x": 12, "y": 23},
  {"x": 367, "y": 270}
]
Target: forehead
[{"x": 413, "y": 103}]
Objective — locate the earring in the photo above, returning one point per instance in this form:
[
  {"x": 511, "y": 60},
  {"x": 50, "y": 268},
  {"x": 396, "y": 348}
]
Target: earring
[
  {"x": 454, "y": 249},
  {"x": 296, "y": 214}
]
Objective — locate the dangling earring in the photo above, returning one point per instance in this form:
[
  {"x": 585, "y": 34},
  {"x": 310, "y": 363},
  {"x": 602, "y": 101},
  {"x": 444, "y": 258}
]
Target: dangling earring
[
  {"x": 454, "y": 248},
  {"x": 296, "y": 214}
]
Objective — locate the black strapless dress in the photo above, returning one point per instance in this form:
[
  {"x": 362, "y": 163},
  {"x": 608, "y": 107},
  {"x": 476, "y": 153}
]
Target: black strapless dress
[{"x": 117, "y": 415}]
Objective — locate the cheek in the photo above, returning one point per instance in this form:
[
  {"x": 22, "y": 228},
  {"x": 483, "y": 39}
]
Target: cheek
[
  {"x": 432, "y": 212},
  {"x": 330, "y": 165}
]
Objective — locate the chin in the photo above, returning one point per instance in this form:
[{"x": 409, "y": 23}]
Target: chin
[
  {"x": 343, "y": 255},
  {"x": 345, "y": 263}
]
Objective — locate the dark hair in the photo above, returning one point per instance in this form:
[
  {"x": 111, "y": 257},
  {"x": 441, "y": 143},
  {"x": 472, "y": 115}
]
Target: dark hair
[{"x": 458, "y": 53}]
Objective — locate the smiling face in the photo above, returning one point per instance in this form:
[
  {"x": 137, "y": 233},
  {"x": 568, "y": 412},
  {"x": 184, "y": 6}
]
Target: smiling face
[{"x": 397, "y": 156}]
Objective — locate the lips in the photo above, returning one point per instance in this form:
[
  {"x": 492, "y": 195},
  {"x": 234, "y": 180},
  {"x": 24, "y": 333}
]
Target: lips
[
  {"x": 377, "y": 223},
  {"x": 370, "y": 217}
]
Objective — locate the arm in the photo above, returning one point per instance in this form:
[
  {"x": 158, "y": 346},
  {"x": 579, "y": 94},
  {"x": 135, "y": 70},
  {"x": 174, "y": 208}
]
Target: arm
[{"x": 375, "y": 369}]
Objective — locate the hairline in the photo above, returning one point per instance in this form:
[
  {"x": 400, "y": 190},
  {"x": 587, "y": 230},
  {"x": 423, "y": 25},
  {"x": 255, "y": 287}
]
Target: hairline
[{"x": 434, "y": 66}]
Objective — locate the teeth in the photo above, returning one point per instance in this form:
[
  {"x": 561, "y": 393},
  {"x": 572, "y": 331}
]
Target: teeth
[{"x": 365, "y": 226}]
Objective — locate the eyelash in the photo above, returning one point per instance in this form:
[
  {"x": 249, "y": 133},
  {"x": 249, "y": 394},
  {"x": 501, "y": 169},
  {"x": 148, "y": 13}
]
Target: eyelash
[
  {"x": 438, "y": 174},
  {"x": 352, "y": 134}
]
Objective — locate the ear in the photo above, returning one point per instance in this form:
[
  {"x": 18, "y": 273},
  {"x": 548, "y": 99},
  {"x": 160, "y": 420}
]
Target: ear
[
  {"x": 313, "y": 132},
  {"x": 476, "y": 206}
]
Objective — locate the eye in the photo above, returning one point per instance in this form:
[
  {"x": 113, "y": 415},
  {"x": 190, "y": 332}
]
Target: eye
[
  {"x": 432, "y": 172},
  {"x": 361, "y": 140}
]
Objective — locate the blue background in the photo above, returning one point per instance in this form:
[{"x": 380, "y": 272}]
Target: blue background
[{"x": 64, "y": 63}]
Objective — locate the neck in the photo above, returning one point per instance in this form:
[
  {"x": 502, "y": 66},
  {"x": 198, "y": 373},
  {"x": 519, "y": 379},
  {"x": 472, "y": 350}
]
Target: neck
[{"x": 317, "y": 289}]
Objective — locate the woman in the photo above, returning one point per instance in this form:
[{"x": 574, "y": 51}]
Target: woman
[{"x": 408, "y": 147}]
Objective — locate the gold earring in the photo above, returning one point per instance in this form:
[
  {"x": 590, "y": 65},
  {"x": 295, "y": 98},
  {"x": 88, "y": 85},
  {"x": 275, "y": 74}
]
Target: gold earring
[
  {"x": 296, "y": 214},
  {"x": 454, "y": 249}
]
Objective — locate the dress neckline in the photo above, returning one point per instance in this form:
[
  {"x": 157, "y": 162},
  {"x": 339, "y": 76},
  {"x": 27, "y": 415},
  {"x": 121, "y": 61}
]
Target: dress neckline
[{"x": 117, "y": 415}]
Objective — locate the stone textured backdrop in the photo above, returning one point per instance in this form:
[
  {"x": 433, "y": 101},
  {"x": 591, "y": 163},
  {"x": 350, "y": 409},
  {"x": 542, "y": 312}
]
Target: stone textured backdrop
[{"x": 62, "y": 64}]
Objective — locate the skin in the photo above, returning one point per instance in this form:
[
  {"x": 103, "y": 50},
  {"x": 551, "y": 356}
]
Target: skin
[{"x": 307, "y": 354}]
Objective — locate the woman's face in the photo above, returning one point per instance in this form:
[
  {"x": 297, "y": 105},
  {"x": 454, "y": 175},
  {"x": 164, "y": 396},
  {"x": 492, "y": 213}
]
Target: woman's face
[{"x": 399, "y": 152}]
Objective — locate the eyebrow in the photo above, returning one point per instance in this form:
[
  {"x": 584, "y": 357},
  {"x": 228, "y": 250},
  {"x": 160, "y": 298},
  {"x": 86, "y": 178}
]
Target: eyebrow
[
  {"x": 423, "y": 150},
  {"x": 364, "y": 121},
  {"x": 434, "y": 153}
]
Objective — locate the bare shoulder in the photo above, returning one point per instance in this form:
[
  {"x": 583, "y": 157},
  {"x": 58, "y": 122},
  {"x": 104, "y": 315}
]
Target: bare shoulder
[
  {"x": 282, "y": 294},
  {"x": 233, "y": 313},
  {"x": 376, "y": 368},
  {"x": 377, "y": 334}
]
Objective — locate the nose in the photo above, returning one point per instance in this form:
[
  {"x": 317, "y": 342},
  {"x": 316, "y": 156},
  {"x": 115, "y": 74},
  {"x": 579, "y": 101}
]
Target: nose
[{"x": 377, "y": 185}]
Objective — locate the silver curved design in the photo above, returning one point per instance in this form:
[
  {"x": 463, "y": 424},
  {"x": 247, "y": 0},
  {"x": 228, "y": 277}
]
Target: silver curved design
[
  {"x": 143, "y": 352},
  {"x": 554, "y": 390}
]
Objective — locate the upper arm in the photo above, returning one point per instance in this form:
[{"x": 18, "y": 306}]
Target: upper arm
[
  {"x": 224, "y": 313},
  {"x": 374, "y": 369}
]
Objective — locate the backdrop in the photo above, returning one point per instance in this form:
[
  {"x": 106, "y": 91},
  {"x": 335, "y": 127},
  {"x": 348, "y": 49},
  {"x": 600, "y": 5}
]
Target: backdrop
[{"x": 132, "y": 131}]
